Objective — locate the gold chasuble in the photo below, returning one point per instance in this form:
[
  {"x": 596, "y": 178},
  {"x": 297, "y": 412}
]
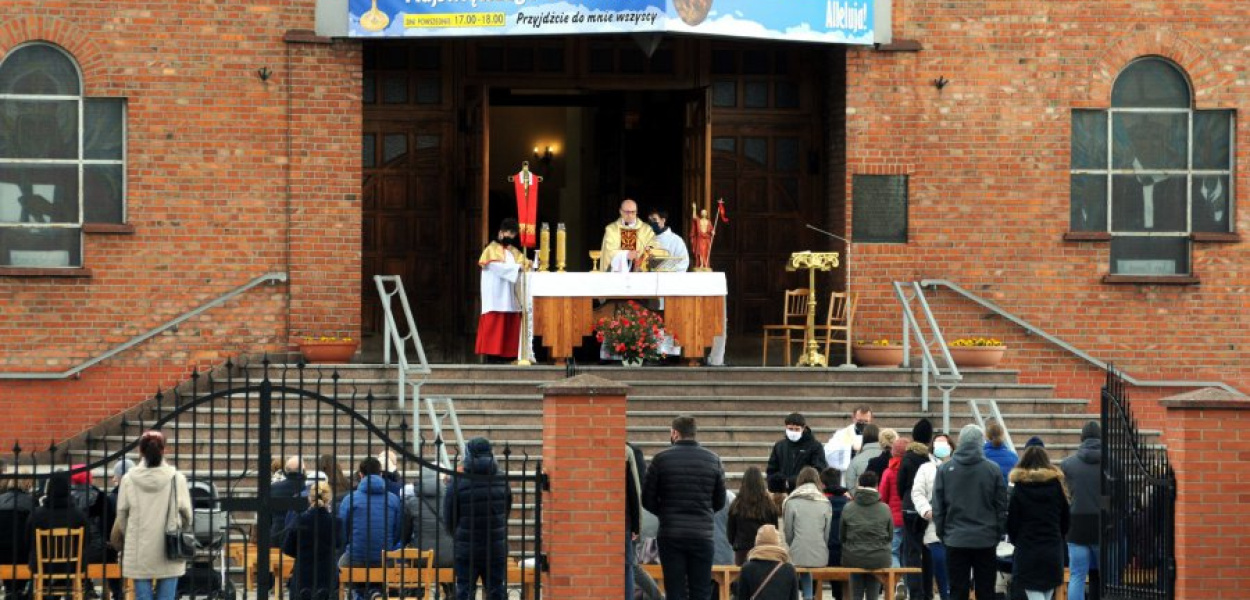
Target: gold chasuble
[{"x": 618, "y": 237}]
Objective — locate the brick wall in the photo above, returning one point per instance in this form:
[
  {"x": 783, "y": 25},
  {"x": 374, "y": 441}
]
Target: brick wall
[
  {"x": 988, "y": 160},
  {"x": 228, "y": 177},
  {"x": 1212, "y": 547},
  {"x": 584, "y": 513}
]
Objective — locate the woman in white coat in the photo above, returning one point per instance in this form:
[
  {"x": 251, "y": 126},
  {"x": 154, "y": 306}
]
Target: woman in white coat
[
  {"x": 152, "y": 499},
  {"x": 922, "y": 497},
  {"x": 808, "y": 517}
]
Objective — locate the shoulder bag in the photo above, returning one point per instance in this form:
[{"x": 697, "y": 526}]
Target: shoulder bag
[
  {"x": 764, "y": 584},
  {"x": 179, "y": 544}
]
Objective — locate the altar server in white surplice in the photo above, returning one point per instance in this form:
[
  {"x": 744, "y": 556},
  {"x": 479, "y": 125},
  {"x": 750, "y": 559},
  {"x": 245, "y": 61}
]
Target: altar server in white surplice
[
  {"x": 499, "y": 327},
  {"x": 668, "y": 241}
]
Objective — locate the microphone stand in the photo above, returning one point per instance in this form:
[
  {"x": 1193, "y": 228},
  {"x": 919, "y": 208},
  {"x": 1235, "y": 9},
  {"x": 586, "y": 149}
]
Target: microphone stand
[{"x": 850, "y": 298}]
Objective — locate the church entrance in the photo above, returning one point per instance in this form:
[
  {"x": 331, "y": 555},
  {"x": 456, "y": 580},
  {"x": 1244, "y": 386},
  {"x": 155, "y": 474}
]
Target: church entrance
[{"x": 447, "y": 122}]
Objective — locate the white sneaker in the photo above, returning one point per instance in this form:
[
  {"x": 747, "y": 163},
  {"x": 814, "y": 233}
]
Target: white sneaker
[{"x": 900, "y": 591}]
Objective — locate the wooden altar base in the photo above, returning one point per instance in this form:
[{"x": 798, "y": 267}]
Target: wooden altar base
[{"x": 694, "y": 321}]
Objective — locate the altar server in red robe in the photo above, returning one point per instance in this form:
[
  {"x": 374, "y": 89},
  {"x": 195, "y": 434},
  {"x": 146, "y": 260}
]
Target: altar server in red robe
[{"x": 499, "y": 326}]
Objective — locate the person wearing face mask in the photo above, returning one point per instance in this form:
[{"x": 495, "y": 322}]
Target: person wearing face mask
[
  {"x": 922, "y": 497},
  {"x": 669, "y": 242},
  {"x": 499, "y": 326},
  {"x": 797, "y": 450},
  {"x": 846, "y": 442},
  {"x": 624, "y": 240}
]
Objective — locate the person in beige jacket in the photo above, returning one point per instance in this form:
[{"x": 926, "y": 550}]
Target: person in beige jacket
[{"x": 144, "y": 514}]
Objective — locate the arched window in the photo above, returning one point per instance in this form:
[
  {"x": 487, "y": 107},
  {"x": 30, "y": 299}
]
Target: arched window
[
  {"x": 1151, "y": 170},
  {"x": 62, "y": 158}
]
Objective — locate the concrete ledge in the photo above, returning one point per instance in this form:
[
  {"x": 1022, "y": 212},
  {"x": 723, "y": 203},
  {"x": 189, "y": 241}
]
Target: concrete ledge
[
  {"x": 584, "y": 385},
  {"x": 1207, "y": 398}
]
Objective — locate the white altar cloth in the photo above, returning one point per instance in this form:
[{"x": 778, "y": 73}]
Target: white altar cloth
[{"x": 626, "y": 285}]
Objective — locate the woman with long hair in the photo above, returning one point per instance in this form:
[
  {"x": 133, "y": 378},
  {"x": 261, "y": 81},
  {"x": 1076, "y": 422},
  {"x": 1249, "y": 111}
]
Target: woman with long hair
[
  {"x": 311, "y": 541},
  {"x": 339, "y": 484},
  {"x": 752, "y": 508},
  {"x": 808, "y": 517},
  {"x": 1037, "y": 521},
  {"x": 152, "y": 499}
]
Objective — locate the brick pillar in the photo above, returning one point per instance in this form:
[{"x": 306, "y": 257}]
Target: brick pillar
[
  {"x": 584, "y": 513},
  {"x": 1207, "y": 437}
]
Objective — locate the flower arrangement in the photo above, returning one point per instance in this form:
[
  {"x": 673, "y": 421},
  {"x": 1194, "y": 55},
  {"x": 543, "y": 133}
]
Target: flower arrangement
[
  {"x": 976, "y": 342},
  {"x": 326, "y": 339},
  {"x": 633, "y": 333},
  {"x": 880, "y": 342}
]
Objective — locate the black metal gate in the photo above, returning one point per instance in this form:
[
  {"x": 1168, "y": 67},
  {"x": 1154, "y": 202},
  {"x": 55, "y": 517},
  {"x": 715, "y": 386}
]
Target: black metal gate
[
  {"x": 253, "y": 441},
  {"x": 1137, "y": 559}
]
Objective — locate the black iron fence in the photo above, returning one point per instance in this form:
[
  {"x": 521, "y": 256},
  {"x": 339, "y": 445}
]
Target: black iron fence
[
  {"x": 1137, "y": 559},
  {"x": 297, "y": 487}
]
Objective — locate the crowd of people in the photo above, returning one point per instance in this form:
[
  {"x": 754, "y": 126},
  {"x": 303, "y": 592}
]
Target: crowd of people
[{"x": 968, "y": 511}]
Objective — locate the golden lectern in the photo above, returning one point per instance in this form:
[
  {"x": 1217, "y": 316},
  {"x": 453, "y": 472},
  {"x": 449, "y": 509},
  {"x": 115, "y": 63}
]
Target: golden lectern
[{"x": 812, "y": 261}]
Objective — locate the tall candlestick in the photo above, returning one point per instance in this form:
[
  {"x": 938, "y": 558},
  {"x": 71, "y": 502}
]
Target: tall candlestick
[
  {"x": 560, "y": 247},
  {"x": 544, "y": 247}
]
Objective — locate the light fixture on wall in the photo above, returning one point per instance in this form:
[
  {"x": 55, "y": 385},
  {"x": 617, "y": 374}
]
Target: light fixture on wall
[{"x": 544, "y": 154}]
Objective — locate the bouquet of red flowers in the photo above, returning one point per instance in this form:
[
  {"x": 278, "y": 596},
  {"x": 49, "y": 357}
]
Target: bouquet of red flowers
[{"x": 633, "y": 333}]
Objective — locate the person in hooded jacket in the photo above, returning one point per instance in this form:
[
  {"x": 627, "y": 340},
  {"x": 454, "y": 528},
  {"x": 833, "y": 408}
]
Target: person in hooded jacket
[
  {"x": 423, "y": 524},
  {"x": 970, "y": 514},
  {"x": 1083, "y": 472},
  {"x": 799, "y": 449},
  {"x": 922, "y": 497},
  {"x": 807, "y": 518},
  {"x": 1037, "y": 521},
  {"x": 58, "y": 511},
  {"x": 371, "y": 518},
  {"x": 476, "y": 511},
  {"x": 311, "y": 541},
  {"x": 866, "y": 530},
  {"x": 889, "y": 495},
  {"x": 153, "y": 498},
  {"x": 914, "y": 553},
  {"x": 768, "y": 574},
  {"x": 99, "y": 510}
]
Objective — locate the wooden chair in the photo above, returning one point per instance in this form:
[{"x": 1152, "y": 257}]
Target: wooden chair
[
  {"x": 408, "y": 570},
  {"x": 839, "y": 321},
  {"x": 58, "y": 563},
  {"x": 794, "y": 320}
]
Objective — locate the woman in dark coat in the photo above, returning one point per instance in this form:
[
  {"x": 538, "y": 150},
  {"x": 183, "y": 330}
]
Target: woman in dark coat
[
  {"x": 312, "y": 541},
  {"x": 768, "y": 574},
  {"x": 476, "y": 511},
  {"x": 1037, "y": 521},
  {"x": 58, "y": 511},
  {"x": 751, "y": 509}
]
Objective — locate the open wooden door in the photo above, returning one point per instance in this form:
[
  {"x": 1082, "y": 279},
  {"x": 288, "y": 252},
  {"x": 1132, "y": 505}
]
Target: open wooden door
[
  {"x": 474, "y": 190},
  {"x": 696, "y": 166}
]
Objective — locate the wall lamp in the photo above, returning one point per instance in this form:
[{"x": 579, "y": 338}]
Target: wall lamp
[
  {"x": 940, "y": 82},
  {"x": 544, "y": 154}
]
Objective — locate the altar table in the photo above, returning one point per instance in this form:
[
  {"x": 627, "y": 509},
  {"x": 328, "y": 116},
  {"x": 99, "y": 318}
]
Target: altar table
[{"x": 694, "y": 306}]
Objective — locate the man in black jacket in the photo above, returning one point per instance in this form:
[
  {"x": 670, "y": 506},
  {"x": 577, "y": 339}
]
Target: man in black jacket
[
  {"x": 915, "y": 553},
  {"x": 1083, "y": 472},
  {"x": 797, "y": 450},
  {"x": 684, "y": 486},
  {"x": 288, "y": 496}
]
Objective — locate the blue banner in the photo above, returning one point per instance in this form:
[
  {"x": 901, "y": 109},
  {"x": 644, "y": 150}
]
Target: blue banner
[{"x": 831, "y": 21}]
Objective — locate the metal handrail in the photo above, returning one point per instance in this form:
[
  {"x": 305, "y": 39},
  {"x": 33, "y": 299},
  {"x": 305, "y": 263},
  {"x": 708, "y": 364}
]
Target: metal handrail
[
  {"x": 392, "y": 337},
  {"x": 155, "y": 331},
  {"x": 946, "y": 383},
  {"x": 1030, "y": 328}
]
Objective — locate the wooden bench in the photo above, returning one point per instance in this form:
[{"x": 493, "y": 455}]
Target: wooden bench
[
  {"x": 392, "y": 579},
  {"x": 99, "y": 571},
  {"x": 725, "y": 575}
]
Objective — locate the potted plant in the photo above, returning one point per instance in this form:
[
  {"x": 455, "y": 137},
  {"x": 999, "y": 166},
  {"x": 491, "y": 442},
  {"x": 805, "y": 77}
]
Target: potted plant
[
  {"x": 877, "y": 353},
  {"x": 977, "y": 352},
  {"x": 328, "y": 349},
  {"x": 633, "y": 334}
]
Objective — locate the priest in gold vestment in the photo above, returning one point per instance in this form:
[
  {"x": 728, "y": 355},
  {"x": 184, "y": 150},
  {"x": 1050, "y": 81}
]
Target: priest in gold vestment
[{"x": 625, "y": 239}]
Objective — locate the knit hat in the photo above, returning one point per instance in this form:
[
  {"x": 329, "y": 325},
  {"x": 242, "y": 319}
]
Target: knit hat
[
  {"x": 767, "y": 536},
  {"x": 58, "y": 489},
  {"x": 971, "y": 437},
  {"x": 80, "y": 478},
  {"x": 922, "y": 432},
  {"x": 1035, "y": 441},
  {"x": 122, "y": 467},
  {"x": 1091, "y": 431},
  {"x": 479, "y": 446}
]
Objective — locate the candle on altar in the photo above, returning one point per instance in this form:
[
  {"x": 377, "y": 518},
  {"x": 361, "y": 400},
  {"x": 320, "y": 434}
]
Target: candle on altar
[
  {"x": 544, "y": 247},
  {"x": 560, "y": 247}
]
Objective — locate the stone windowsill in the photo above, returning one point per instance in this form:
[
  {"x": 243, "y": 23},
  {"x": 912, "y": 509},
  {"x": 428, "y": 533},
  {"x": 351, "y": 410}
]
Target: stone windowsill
[
  {"x": 1087, "y": 236},
  {"x": 1216, "y": 238},
  {"x": 73, "y": 273},
  {"x": 109, "y": 228},
  {"x": 1152, "y": 279}
]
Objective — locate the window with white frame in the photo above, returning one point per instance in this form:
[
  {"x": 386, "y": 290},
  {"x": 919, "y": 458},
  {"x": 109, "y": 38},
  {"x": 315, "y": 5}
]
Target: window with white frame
[
  {"x": 1151, "y": 170},
  {"x": 62, "y": 159}
]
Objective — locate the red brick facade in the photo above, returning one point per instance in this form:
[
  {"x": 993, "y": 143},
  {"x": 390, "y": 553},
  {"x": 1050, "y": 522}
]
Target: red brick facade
[
  {"x": 988, "y": 160},
  {"x": 228, "y": 177}
]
